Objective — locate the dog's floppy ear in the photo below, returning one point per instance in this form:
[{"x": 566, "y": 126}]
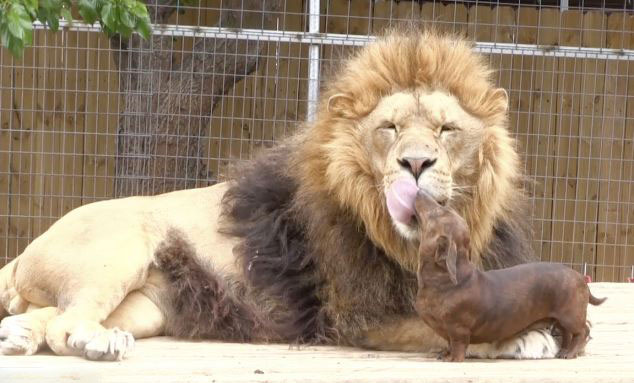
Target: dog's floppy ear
[
  {"x": 447, "y": 253},
  {"x": 419, "y": 274}
]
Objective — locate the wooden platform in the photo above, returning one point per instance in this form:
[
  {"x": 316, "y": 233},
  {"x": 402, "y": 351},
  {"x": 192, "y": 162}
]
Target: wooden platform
[{"x": 609, "y": 358}]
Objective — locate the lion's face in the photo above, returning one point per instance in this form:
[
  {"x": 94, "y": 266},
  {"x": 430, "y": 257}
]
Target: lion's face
[{"x": 426, "y": 137}]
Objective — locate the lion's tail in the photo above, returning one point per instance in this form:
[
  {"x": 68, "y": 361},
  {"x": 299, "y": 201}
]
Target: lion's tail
[{"x": 204, "y": 304}]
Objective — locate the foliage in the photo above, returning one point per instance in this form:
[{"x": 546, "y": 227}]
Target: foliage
[{"x": 115, "y": 17}]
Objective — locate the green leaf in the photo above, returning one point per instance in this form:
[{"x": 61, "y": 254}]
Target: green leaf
[
  {"x": 42, "y": 15},
  {"x": 66, "y": 14},
  {"x": 23, "y": 18},
  {"x": 53, "y": 23},
  {"x": 31, "y": 7},
  {"x": 88, "y": 11},
  {"x": 5, "y": 37},
  {"x": 139, "y": 9},
  {"x": 143, "y": 28},
  {"x": 15, "y": 28},
  {"x": 26, "y": 23},
  {"x": 107, "y": 15},
  {"x": 127, "y": 19},
  {"x": 28, "y": 37},
  {"x": 124, "y": 30},
  {"x": 47, "y": 4},
  {"x": 107, "y": 29},
  {"x": 16, "y": 47}
]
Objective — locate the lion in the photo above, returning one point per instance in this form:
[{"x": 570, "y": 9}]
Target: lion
[{"x": 301, "y": 245}]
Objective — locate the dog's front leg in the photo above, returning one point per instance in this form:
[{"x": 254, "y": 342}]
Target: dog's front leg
[{"x": 458, "y": 343}]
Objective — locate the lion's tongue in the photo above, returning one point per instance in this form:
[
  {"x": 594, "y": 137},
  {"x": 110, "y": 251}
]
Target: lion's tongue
[{"x": 400, "y": 199}]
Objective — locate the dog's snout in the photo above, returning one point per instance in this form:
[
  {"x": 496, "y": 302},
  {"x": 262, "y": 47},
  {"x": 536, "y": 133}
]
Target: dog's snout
[{"x": 416, "y": 165}]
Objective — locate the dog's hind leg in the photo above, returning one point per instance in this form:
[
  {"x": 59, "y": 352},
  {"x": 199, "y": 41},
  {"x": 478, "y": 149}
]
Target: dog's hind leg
[{"x": 576, "y": 330}]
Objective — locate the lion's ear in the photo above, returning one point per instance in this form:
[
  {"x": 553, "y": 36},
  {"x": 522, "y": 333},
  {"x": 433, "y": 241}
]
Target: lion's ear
[
  {"x": 495, "y": 101},
  {"x": 499, "y": 99},
  {"x": 338, "y": 103},
  {"x": 503, "y": 95}
]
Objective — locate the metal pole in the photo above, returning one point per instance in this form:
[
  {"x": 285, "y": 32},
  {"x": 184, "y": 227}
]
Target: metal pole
[
  {"x": 563, "y": 5},
  {"x": 313, "y": 60}
]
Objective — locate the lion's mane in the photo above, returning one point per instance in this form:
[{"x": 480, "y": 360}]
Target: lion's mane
[{"x": 316, "y": 237}]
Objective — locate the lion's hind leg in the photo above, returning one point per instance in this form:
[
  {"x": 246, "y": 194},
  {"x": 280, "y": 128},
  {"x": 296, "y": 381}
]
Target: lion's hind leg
[
  {"x": 95, "y": 291},
  {"x": 77, "y": 330},
  {"x": 137, "y": 316}
]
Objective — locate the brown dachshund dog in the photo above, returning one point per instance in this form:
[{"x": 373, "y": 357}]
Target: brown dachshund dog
[{"x": 467, "y": 306}]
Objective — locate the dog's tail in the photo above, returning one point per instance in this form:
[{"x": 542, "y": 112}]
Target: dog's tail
[{"x": 596, "y": 301}]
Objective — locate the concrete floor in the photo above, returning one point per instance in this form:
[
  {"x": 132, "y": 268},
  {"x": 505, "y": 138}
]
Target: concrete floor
[{"x": 609, "y": 358}]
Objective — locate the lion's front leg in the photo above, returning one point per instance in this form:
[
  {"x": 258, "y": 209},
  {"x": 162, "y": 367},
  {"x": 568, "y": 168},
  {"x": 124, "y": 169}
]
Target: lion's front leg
[
  {"x": 532, "y": 344},
  {"x": 24, "y": 334},
  {"x": 412, "y": 334},
  {"x": 403, "y": 334}
]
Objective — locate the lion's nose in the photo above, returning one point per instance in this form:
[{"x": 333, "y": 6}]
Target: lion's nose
[{"x": 417, "y": 165}]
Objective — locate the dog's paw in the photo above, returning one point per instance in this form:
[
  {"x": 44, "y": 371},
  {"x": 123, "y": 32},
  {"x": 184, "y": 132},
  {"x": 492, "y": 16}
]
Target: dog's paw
[
  {"x": 19, "y": 335},
  {"x": 442, "y": 355},
  {"x": 97, "y": 343},
  {"x": 566, "y": 354},
  {"x": 534, "y": 344}
]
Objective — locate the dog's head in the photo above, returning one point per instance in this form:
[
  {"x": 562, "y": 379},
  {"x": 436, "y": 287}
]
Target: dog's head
[{"x": 443, "y": 235}]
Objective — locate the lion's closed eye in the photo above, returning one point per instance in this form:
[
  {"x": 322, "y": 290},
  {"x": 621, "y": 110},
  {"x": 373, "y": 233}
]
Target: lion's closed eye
[
  {"x": 388, "y": 126},
  {"x": 447, "y": 129},
  {"x": 388, "y": 131}
]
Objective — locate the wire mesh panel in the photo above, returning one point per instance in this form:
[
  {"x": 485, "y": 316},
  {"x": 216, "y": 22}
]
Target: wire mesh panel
[{"x": 85, "y": 118}]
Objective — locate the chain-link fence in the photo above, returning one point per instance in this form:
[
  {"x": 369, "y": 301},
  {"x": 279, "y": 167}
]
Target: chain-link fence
[{"x": 86, "y": 118}]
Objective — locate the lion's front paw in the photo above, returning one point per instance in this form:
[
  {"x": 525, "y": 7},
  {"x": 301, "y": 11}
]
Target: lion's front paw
[
  {"x": 534, "y": 344},
  {"x": 19, "y": 335},
  {"x": 98, "y": 343}
]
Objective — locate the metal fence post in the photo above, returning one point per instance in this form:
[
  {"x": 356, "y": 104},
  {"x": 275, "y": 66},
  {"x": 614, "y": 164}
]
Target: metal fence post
[{"x": 313, "y": 60}]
